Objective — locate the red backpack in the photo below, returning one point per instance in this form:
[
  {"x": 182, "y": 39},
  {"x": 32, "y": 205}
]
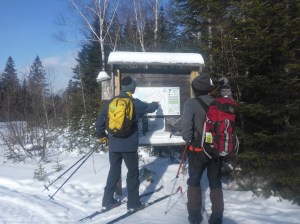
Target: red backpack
[{"x": 219, "y": 136}]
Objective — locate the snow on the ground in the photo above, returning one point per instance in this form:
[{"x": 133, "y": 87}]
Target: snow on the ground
[{"x": 24, "y": 200}]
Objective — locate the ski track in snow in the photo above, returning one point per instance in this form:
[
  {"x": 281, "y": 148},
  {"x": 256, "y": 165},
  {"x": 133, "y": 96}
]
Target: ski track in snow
[
  {"x": 21, "y": 205},
  {"x": 15, "y": 205}
]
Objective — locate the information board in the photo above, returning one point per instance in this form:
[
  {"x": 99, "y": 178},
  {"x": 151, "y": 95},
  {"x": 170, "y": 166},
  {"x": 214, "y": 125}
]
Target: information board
[{"x": 167, "y": 97}]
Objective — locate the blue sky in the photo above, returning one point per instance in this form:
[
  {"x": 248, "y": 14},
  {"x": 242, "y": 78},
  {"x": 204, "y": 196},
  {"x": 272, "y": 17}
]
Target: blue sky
[{"x": 27, "y": 29}]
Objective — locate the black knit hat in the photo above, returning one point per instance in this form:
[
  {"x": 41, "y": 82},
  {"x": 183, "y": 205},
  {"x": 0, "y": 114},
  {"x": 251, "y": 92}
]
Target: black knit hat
[
  {"x": 202, "y": 84},
  {"x": 128, "y": 84}
]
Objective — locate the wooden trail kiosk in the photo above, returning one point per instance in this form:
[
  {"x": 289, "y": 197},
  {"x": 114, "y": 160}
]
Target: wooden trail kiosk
[{"x": 163, "y": 77}]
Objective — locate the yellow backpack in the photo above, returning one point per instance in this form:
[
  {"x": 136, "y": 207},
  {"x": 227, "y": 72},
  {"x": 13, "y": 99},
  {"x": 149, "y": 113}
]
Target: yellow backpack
[{"x": 120, "y": 117}]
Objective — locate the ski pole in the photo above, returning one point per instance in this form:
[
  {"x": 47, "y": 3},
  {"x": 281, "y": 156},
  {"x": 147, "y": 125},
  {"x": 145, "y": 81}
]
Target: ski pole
[
  {"x": 88, "y": 156},
  {"x": 177, "y": 175},
  {"x": 47, "y": 187}
]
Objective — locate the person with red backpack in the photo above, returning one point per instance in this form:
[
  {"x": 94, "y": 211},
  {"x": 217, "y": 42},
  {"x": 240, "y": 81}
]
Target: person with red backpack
[
  {"x": 192, "y": 128},
  {"x": 219, "y": 137}
]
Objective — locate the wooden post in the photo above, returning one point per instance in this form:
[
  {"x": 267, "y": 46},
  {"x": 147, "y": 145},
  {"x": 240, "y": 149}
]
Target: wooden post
[
  {"x": 193, "y": 75},
  {"x": 117, "y": 83}
]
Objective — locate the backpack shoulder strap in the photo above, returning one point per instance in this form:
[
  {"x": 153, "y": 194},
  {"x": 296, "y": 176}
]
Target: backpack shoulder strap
[{"x": 202, "y": 103}]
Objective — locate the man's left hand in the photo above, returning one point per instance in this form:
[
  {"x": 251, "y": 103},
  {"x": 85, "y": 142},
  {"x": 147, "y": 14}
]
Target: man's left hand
[{"x": 103, "y": 140}]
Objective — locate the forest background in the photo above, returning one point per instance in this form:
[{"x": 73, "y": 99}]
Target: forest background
[{"x": 255, "y": 44}]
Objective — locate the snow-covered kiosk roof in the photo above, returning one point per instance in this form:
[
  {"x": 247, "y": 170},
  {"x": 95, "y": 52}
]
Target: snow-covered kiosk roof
[{"x": 156, "y": 58}]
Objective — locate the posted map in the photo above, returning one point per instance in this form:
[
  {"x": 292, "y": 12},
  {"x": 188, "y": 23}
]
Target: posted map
[{"x": 167, "y": 97}]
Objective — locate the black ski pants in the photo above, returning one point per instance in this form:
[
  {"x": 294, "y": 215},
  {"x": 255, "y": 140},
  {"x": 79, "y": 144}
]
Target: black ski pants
[
  {"x": 198, "y": 162},
  {"x": 132, "y": 181}
]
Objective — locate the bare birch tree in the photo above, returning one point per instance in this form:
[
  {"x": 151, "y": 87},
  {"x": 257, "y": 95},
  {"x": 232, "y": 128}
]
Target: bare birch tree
[
  {"x": 154, "y": 6},
  {"x": 140, "y": 21},
  {"x": 96, "y": 10},
  {"x": 142, "y": 13}
]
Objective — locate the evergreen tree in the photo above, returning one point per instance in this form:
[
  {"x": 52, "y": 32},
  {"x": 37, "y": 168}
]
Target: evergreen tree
[
  {"x": 84, "y": 110},
  {"x": 25, "y": 101},
  {"x": 207, "y": 27},
  {"x": 10, "y": 91},
  {"x": 267, "y": 44},
  {"x": 168, "y": 38},
  {"x": 37, "y": 83},
  {"x": 149, "y": 34},
  {"x": 129, "y": 40},
  {"x": 38, "y": 104},
  {"x": 10, "y": 81},
  {"x": 163, "y": 32},
  {"x": 256, "y": 44}
]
